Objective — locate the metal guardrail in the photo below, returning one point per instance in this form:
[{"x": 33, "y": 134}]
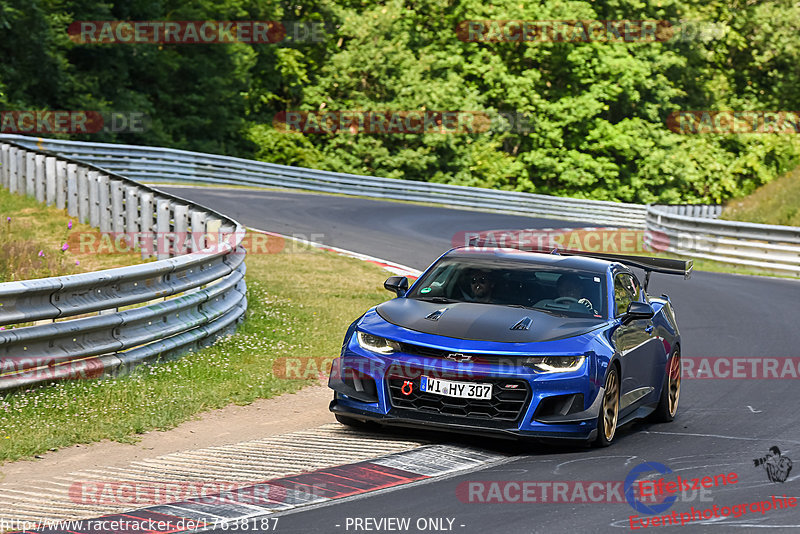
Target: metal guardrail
[
  {"x": 771, "y": 248},
  {"x": 702, "y": 211},
  {"x": 194, "y": 293},
  {"x": 153, "y": 164}
]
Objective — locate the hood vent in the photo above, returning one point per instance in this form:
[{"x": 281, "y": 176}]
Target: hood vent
[
  {"x": 524, "y": 324},
  {"x": 435, "y": 315}
]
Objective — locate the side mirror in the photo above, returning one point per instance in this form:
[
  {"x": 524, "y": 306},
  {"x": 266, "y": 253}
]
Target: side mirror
[
  {"x": 638, "y": 310},
  {"x": 398, "y": 284}
]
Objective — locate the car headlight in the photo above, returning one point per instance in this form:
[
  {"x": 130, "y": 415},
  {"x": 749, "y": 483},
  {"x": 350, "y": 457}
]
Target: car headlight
[
  {"x": 554, "y": 364},
  {"x": 377, "y": 344}
]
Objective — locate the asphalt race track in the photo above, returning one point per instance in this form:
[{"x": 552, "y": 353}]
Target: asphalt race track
[{"x": 722, "y": 425}]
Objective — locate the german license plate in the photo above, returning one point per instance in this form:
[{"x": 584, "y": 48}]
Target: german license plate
[{"x": 451, "y": 388}]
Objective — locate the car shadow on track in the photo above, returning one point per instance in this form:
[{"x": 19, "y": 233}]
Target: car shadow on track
[{"x": 502, "y": 445}]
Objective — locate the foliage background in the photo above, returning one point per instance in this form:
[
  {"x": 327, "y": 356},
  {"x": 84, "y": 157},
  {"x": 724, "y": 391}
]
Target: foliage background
[{"x": 599, "y": 109}]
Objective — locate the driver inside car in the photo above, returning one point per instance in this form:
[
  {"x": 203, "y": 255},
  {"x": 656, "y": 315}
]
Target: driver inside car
[{"x": 480, "y": 286}]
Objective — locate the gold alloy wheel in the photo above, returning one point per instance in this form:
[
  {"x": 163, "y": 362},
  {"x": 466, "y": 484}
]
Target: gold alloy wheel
[
  {"x": 611, "y": 405},
  {"x": 674, "y": 378}
]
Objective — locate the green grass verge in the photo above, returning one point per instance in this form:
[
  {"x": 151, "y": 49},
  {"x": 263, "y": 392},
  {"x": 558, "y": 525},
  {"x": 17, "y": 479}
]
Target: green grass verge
[
  {"x": 300, "y": 303},
  {"x": 777, "y": 202},
  {"x": 32, "y": 236}
]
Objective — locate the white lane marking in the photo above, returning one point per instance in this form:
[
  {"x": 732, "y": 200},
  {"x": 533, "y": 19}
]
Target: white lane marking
[
  {"x": 437, "y": 460},
  {"x": 752, "y": 410}
]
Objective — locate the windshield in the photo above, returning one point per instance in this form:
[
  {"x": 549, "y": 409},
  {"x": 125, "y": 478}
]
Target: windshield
[{"x": 514, "y": 283}]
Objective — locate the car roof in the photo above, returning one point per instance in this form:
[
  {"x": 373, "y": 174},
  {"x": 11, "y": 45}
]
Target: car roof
[{"x": 581, "y": 263}]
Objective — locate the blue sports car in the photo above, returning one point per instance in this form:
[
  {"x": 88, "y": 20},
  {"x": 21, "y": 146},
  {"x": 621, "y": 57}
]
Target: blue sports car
[{"x": 513, "y": 343}]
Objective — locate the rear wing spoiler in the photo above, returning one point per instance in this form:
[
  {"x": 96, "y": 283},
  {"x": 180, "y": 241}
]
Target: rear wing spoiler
[{"x": 648, "y": 264}]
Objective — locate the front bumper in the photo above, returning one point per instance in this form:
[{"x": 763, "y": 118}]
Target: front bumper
[
  {"x": 420, "y": 420},
  {"x": 542, "y": 415}
]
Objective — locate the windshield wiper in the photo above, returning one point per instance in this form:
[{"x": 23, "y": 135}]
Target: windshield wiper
[
  {"x": 548, "y": 311},
  {"x": 440, "y": 300}
]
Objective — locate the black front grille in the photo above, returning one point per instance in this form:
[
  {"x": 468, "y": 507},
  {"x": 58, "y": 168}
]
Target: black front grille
[{"x": 509, "y": 398}]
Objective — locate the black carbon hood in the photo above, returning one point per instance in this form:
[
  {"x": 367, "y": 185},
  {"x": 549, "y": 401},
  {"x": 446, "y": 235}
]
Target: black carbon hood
[{"x": 482, "y": 322}]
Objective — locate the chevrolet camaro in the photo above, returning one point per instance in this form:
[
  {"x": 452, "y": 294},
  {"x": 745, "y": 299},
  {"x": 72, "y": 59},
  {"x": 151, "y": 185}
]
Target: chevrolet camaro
[{"x": 559, "y": 346}]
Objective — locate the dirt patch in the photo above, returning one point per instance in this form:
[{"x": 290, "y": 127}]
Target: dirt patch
[{"x": 266, "y": 417}]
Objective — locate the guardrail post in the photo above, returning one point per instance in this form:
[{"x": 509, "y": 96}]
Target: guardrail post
[
  {"x": 147, "y": 241},
  {"x": 18, "y": 180},
  {"x": 12, "y": 169},
  {"x": 130, "y": 215},
  {"x": 4, "y": 152},
  {"x": 198, "y": 222},
  {"x": 163, "y": 227},
  {"x": 83, "y": 194},
  {"x": 39, "y": 177},
  {"x": 94, "y": 199},
  {"x": 212, "y": 237},
  {"x": 61, "y": 184},
  {"x": 225, "y": 233},
  {"x": 181, "y": 229},
  {"x": 30, "y": 174},
  {"x": 72, "y": 190},
  {"x": 7, "y": 163},
  {"x": 50, "y": 180},
  {"x": 104, "y": 203},
  {"x": 117, "y": 213}
]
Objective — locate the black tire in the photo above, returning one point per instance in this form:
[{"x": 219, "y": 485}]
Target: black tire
[
  {"x": 670, "y": 391},
  {"x": 608, "y": 417}
]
